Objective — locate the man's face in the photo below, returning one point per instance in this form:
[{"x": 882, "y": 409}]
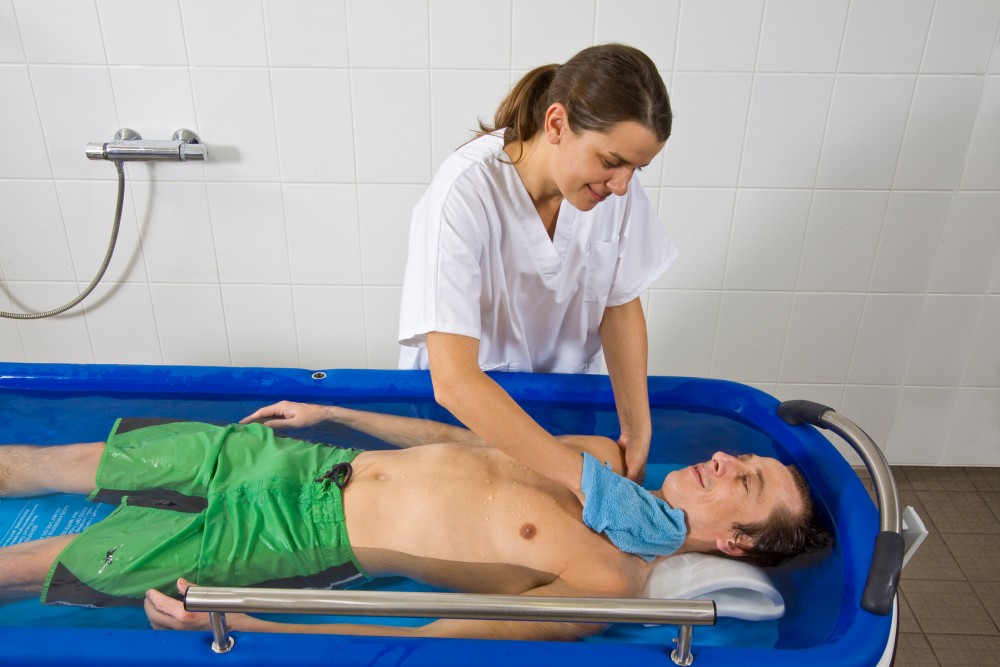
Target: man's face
[{"x": 726, "y": 490}]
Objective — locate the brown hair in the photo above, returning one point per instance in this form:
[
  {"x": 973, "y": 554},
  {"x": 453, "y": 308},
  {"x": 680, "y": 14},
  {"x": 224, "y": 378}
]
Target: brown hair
[
  {"x": 600, "y": 87},
  {"x": 784, "y": 534}
]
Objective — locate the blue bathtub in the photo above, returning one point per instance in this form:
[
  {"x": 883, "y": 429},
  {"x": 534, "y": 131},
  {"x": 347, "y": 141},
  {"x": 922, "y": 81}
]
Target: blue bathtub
[{"x": 824, "y": 623}]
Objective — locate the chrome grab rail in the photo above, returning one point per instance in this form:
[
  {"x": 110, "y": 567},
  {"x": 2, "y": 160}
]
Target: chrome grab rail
[
  {"x": 218, "y": 600},
  {"x": 887, "y": 557},
  {"x": 886, "y": 491}
]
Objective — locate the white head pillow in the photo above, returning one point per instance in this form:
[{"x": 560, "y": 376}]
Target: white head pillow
[{"x": 740, "y": 590}]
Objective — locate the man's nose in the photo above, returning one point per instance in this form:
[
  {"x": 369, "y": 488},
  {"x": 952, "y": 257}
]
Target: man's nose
[{"x": 723, "y": 462}]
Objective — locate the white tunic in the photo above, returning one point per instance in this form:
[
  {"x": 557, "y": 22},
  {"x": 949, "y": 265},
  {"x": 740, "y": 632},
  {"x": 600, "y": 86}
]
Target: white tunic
[{"x": 481, "y": 264}]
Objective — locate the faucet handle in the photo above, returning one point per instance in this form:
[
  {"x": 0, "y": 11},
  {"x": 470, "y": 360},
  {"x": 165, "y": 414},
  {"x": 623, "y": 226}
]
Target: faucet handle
[{"x": 186, "y": 136}]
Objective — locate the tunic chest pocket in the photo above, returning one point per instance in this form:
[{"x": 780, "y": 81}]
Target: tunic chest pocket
[{"x": 602, "y": 257}]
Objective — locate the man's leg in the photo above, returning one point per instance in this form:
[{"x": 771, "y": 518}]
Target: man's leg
[
  {"x": 23, "y": 567},
  {"x": 27, "y": 470}
]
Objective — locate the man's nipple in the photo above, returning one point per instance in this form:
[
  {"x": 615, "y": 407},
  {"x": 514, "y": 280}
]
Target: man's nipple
[{"x": 528, "y": 531}]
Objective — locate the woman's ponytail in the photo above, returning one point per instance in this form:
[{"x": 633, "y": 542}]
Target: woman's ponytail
[{"x": 522, "y": 112}]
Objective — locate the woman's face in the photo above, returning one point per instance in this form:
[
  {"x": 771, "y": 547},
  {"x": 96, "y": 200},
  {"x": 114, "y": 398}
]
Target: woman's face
[{"x": 588, "y": 167}]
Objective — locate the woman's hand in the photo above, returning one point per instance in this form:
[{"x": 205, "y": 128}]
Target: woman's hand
[
  {"x": 166, "y": 613},
  {"x": 287, "y": 414},
  {"x": 635, "y": 452}
]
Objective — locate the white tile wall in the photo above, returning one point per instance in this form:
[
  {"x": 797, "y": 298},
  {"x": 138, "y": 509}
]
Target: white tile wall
[
  {"x": 535, "y": 41},
  {"x": 922, "y": 423},
  {"x": 937, "y": 134},
  {"x": 699, "y": 223},
  {"x": 121, "y": 324},
  {"x": 910, "y": 238},
  {"x": 76, "y": 106},
  {"x": 459, "y": 99},
  {"x": 719, "y": 35},
  {"x": 249, "y": 230},
  {"x": 710, "y": 120},
  {"x": 841, "y": 240},
  {"x": 154, "y": 36},
  {"x": 384, "y": 212},
  {"x": 389, "y": 147},
  {"x": 64, "y": 338},
  {"x": 256, "y": 317},
  {"x": 971, "y": 439},
  {"x": 969, "y": 245},
  {"x": 60, "y": 31},
  {"x": 961, "y": 37},
  {"x": 982, "y": 166},
  {"x": 306, "y": 33},
  {"x": 833, "y": 183},
  {"x": 885, "y": 338},
  {"x": 820, "y": 338},
  {"x": 183, "y": 344},
  {"x": 324, "y": 245},
  {"x": 768, "y": 230},
  {"x": 374, "y": 24},
  {"x": 943, "y": 338},
  {"x": 785, "y": 130},
  {"x": 312, "y": 114},
  {"x": 235, "y": 108},
  {"x": 221, "y": 33},
  {"x": 11, "y": 49},
  {"x": 470, "y": 35},
  {"x": 866, "y": 47},
  {"x": 801, "y": 36},
  {"x": 36, "y": 248},
  {"x": 25, "y": 156},
  {"x": 865, "y": 130},
  {"x": 88, "y": 211},
  {"x": 983, "y": 367},
  {"x": 326, "y": 338},
  {"x": 750, "y": 337},
  {"x": 677, "y": 321}
]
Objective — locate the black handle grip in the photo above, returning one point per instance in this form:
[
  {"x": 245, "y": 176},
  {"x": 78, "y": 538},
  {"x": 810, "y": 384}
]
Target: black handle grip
[
  {"x": 802, "y": 412},
  {"x": 883, "y": 575}
]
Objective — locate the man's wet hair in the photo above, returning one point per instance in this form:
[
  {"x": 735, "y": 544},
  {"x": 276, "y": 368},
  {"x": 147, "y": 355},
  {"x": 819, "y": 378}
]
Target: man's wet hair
[{"x": 785, "y": 534}]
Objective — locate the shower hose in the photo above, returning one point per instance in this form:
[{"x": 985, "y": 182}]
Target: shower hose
[{"x": 100, "y": 272}]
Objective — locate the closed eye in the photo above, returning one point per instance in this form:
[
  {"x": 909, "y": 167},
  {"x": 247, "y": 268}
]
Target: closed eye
[{"x": 746, "y": 482}]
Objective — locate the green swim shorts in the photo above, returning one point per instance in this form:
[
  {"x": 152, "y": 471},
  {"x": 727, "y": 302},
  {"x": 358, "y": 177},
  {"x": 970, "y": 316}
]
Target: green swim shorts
[{"x": 218, "y": 505}]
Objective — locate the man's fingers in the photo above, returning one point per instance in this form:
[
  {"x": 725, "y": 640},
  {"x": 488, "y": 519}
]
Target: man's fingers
[
  {"x": 166, "y": 613},
  {"x": 278, "y": 410}
]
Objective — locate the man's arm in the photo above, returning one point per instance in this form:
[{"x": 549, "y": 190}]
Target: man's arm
[
  {"x": 166, "y": 613},
  {"x": 625, "y": 343},
  {"x": 393, "y": 429}
]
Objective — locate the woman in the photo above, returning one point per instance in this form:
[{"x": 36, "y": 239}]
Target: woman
[{"x": 531, "y": 247}]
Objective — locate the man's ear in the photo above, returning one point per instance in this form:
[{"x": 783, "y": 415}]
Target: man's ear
[
  {"x": 733, "y": 546},
  {"x": 556, "y": 122}
]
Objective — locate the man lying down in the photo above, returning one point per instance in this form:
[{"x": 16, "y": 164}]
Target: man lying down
[{"x": 239, "y": 506}]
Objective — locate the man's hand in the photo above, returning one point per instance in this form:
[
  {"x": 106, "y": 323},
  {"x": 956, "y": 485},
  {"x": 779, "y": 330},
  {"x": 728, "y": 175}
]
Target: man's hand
[
  {"x": 166, "y": 613},
  {"x": 287, "y": 414}
]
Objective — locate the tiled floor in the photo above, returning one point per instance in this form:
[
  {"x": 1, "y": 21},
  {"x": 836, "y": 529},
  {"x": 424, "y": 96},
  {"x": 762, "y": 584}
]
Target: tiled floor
[{"x": 950, "y": 590}]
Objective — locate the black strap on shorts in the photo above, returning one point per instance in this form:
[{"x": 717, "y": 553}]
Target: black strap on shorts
[{"x": 339, "y": 474}]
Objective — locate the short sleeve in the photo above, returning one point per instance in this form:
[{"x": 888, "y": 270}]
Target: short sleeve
[
  {"x": 442, "y": 285},
  {"x": 645, "y": 250}
]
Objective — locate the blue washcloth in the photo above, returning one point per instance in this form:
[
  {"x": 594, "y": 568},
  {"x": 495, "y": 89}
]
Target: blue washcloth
[{"x": 636, "y": 521}]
